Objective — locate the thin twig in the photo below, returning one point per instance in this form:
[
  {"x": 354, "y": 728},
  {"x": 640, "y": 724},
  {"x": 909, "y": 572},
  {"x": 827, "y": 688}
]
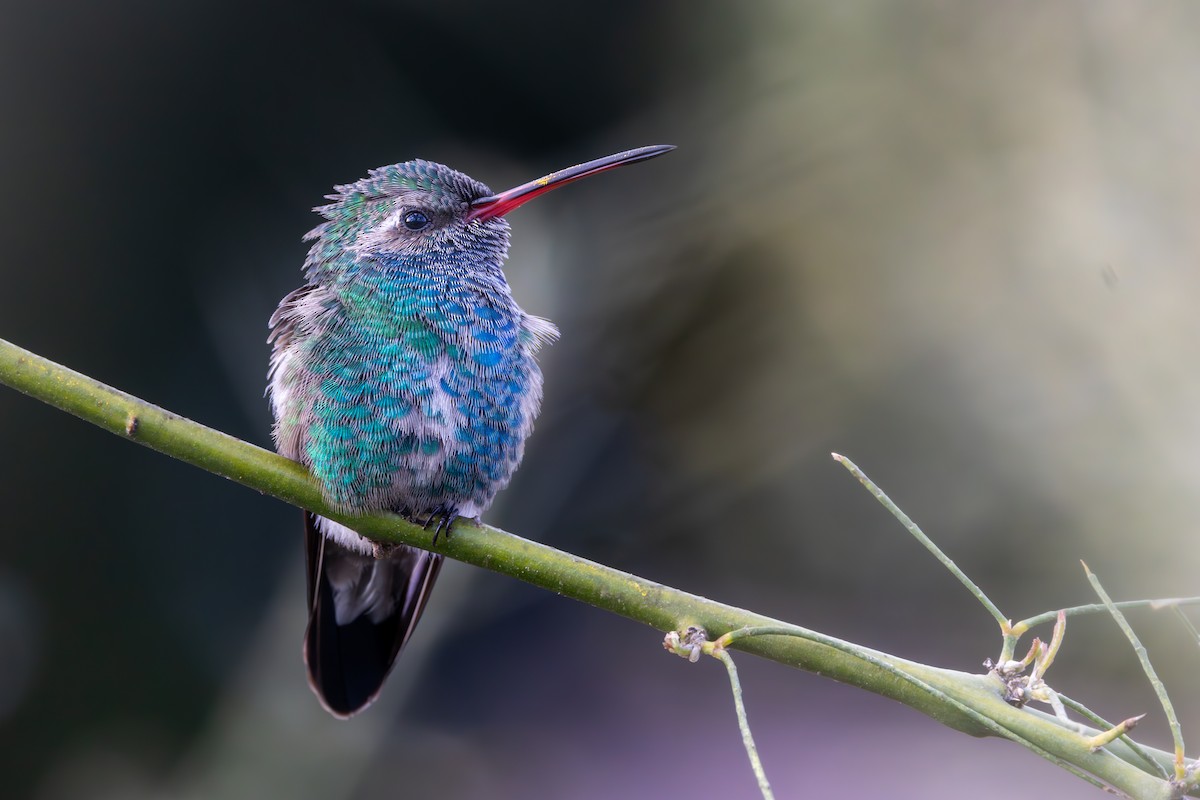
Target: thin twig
[
  {"x": 916, "y": 531},
  {"x": 760, "y": 774},
  {"x": 1159, "y": 689},
  {"x": 1118, "y": 731},
  {"x": 1187, "y": 623},
  {"x": 1103, "y": 724},
  {"x": 1093, "y": 608}
]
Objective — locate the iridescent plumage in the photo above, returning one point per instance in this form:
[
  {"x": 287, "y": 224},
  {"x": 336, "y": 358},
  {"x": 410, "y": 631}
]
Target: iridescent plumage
[{"x": 403, "y": 376}]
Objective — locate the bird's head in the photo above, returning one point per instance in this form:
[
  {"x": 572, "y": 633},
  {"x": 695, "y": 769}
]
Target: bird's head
[{"x": 430, "y": 216}]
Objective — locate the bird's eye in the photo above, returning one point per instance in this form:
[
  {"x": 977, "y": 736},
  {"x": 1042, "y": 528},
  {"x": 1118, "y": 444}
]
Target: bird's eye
[{"x": 416, "y": 221}]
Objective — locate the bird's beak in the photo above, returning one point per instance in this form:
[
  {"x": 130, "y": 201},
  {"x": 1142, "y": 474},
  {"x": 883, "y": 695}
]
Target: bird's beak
[{"x": 497, "y": 205}]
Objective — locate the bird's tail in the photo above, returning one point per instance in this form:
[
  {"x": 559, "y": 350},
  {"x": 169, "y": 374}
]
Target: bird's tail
[{"x": 362, "y": 609}]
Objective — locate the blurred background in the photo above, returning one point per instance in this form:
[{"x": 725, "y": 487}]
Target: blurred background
[{"x": 954, "y": 241}]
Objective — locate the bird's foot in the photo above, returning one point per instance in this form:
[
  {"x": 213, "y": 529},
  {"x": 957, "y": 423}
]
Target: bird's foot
[{"x": 445, "y": 515}]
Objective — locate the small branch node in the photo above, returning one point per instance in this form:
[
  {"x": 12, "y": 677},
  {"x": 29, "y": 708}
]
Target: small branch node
[
  {"x": 1020, "y": 688},
  {"x": 691, "y": 644}
]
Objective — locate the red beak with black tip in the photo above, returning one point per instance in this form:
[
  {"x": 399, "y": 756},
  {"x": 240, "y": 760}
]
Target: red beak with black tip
[{"x": 497, "y": 205}]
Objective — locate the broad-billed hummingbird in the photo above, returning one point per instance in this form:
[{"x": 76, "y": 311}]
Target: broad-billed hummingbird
[{"x": 403, "y": 376}]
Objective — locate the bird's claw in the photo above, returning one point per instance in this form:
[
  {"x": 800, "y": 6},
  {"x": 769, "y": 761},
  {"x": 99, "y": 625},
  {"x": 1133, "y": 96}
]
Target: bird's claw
[{"x": 445, "y": 516}]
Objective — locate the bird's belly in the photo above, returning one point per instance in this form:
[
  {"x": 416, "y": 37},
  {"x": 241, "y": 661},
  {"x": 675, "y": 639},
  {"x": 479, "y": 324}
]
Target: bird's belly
[{"x": 403, "y": 433}]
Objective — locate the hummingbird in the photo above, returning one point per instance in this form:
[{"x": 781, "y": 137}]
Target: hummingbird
[{"x": 403, "y": 376}]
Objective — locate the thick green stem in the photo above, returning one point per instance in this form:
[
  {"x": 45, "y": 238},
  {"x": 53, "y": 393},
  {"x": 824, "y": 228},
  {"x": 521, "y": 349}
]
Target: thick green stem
[{"x": 659, "y": 606}]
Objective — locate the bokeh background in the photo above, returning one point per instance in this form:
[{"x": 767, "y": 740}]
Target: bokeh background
[{"x": 956, "y": 241}]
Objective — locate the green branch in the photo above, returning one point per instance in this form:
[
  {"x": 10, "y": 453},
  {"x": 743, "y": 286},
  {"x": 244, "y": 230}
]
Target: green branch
[{"x": 661, "y": 607}]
